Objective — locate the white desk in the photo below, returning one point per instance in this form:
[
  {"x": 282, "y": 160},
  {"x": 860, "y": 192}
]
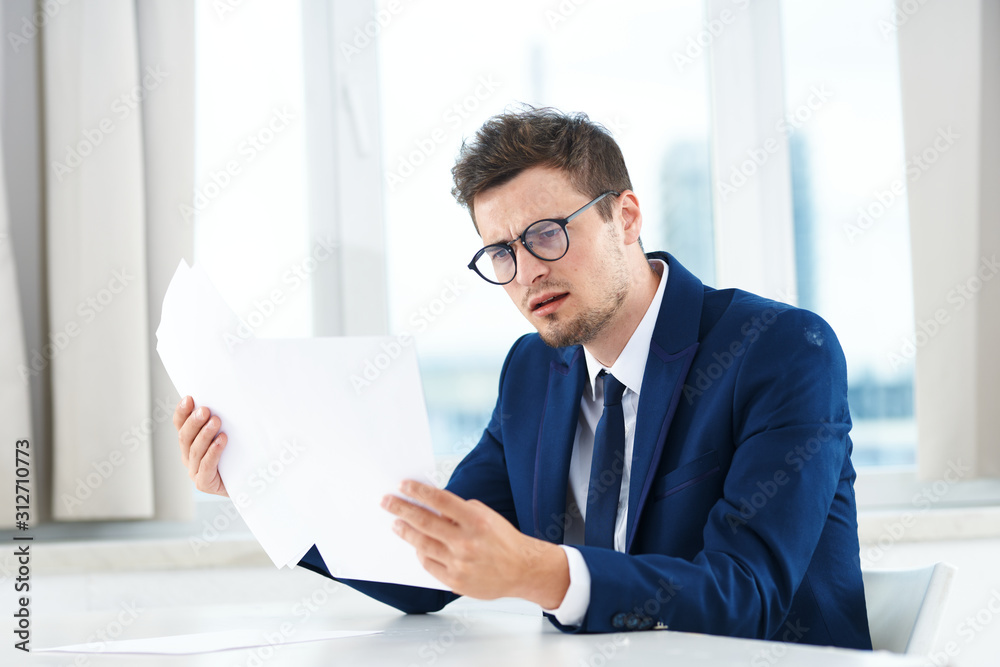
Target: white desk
[{"x": 466, "y": 633}]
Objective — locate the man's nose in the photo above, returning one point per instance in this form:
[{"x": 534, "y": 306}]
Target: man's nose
[{"x": 529, "y": 267}]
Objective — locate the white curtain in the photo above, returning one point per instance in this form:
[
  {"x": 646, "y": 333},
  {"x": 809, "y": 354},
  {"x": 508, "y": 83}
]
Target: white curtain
[
  {"x": 950, "y": 65},
  {"x": 118, "y": 87},
  {"x": 14, "y": 372}
]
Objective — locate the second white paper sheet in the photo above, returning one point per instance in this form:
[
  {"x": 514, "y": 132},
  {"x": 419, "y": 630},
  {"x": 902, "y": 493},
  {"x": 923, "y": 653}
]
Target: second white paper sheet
[
  {"x": 356, "y": 440},
  {"x": 314, "y": 443}
]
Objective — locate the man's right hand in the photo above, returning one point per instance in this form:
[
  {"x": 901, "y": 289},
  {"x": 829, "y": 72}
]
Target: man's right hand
[{"x": 200, "y": 446}]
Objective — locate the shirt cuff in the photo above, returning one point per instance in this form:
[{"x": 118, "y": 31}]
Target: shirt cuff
[{"x": 577, "y": 599}]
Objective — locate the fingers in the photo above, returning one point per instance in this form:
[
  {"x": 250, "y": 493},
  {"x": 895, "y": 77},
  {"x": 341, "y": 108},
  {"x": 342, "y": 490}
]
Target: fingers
[
  {"x": 445, "y": 502},
  {"x": 189, "y": 429},
  {"x": 201, "y": 442},
  {"x": 422, "y": 520},
  {"x": 427, "y": 547},
  {"x": 437, "y": 570},
  {"x": 207, "y": 478},
  {"x": 201, "y": 445},
  {"x": 182, "y": 412}
]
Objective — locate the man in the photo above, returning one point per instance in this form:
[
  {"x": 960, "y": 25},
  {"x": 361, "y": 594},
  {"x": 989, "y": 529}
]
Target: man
[{"x": 662, "y": 454}]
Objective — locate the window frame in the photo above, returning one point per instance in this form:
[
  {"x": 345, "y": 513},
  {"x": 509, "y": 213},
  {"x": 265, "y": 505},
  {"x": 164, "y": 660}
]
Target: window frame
[{"x": 751, "y": 55}]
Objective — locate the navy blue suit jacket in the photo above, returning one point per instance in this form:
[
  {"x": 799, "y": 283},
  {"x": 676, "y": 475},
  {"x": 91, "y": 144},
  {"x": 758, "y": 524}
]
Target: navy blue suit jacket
[{"x": 741, "y": 510}]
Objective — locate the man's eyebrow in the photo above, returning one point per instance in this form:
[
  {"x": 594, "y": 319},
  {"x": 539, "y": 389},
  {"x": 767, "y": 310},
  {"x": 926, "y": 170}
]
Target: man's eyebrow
[
  {"x": 505, "y": 242},
  {"x": 509, "y": 241}
]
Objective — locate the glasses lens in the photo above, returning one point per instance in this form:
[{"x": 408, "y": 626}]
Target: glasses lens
[
  {"x": 496, "y": 264},
  {"x": 546, "y": 239}
]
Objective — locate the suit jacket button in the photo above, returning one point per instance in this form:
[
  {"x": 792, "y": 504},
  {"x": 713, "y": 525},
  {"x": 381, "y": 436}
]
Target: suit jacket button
[
  {"x": 632, "y": 622},
  {"x": 646, "y": 623},
  {"x": 618, "y": 621}
]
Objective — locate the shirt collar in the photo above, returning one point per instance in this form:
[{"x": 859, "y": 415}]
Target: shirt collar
[{"x": 631, "y": 363}]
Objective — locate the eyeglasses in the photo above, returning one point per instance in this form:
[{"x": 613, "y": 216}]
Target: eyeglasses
[{"x": 546, "y": 239}]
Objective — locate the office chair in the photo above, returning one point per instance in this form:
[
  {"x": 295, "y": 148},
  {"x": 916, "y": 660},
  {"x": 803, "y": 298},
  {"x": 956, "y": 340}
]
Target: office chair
[{"x": 905, "y": 607}]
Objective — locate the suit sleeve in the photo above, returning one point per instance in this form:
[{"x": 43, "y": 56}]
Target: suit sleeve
[
  {"x": 482, "y": 475},
  {"x": 790, "y": 426}
]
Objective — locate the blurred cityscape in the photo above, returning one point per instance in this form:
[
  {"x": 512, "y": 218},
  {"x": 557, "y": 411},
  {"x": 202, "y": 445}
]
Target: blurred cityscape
[
  {"x": 461, "y": 393},
  {"x": 847, "y": 150}
]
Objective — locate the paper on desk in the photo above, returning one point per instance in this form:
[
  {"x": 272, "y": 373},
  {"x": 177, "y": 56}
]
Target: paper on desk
[
  {"x": 203, "y": 642},
  {"x": 311, "y": 450}
]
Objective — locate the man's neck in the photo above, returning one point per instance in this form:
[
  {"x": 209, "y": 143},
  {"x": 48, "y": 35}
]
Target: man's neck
[{"x": 609, "y": 345}]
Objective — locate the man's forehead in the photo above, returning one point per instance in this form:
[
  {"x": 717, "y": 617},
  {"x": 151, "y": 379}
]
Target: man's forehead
[
  {"x": 500, "y": 223},
  {"x": 503, "y": 212}
]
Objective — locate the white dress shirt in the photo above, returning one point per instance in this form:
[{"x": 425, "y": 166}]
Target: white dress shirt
[{"x": 627, "y": 369}]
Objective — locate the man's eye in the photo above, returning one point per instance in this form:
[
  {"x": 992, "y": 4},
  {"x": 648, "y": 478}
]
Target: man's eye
[{"x": 499, "y": 254}]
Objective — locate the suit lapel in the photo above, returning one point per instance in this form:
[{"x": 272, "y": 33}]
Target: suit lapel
[
  {"x": 671, "y": 351},
  {"x": 556, "y": 433}
]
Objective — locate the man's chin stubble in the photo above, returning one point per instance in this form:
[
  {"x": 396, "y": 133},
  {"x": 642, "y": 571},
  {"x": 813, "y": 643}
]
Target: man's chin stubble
[{"x": 580, "y": 331}]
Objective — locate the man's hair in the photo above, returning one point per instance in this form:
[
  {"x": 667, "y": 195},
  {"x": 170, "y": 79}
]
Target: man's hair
[{"x": 513, "y": 141}]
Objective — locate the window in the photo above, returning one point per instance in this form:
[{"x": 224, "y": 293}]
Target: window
[
  {"x": 249, "y": 204},
  {"x": 852, "y": 244},
  {"x": 441, "y": 77}
]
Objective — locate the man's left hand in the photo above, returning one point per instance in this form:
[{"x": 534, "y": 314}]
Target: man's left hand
[{"x": 474, "y": 550}]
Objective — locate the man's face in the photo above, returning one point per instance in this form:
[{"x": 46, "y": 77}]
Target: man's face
[{"x": 572, "y": 300}]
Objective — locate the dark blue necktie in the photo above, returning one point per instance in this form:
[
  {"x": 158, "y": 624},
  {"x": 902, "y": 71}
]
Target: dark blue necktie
[{"x": 606, "y": 468}]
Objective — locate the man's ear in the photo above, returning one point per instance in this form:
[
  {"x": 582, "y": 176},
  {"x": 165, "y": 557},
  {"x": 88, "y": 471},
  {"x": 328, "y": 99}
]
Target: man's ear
[{"x": 631, "y": 217}]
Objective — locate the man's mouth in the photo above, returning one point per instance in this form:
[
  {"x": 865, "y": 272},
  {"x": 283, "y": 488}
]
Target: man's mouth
[{"x": 547, "y": 303}]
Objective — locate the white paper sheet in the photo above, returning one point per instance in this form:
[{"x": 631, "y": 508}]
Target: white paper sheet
[
  {"x": 311, "y": 450},
  {"x": 203, "y": 642},
  {"x": 195, "y": 341}
]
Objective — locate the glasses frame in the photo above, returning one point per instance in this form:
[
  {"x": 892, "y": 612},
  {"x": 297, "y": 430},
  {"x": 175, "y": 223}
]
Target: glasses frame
[{"x": 509, "y": 246}]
